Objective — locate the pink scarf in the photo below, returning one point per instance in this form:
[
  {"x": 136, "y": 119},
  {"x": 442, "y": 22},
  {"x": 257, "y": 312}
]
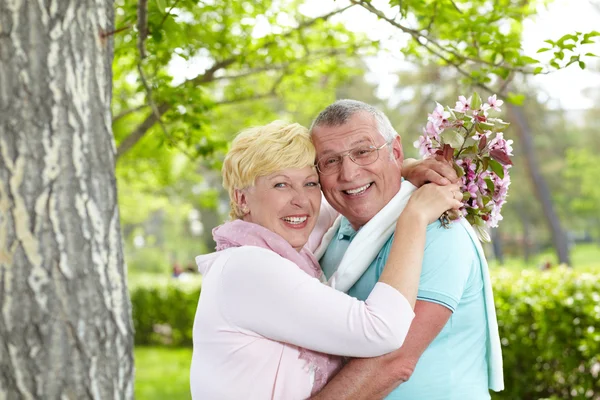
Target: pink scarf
[{"x": 240, "y": 233}]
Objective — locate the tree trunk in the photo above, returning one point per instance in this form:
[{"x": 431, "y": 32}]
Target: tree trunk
[
  {"x": 65, "y": 314},
  {"x": 559, "y": 239},
  {"x": 497, "y": 246}
]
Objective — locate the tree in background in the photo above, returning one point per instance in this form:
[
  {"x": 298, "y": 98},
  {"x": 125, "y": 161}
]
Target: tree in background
[
  {"x": 469, "y": 37},
  {"x": 250, "y": 63}
]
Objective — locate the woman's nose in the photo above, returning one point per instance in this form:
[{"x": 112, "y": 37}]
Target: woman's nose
[{"x": 300, "y": 198}]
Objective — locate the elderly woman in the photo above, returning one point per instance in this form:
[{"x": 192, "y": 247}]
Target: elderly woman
[{"x": 267, "y": 327}]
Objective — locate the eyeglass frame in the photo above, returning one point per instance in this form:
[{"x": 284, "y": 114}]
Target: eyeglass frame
[{"x": 347, "y": 153}]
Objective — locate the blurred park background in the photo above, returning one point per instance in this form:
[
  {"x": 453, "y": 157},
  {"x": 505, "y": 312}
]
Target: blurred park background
[{"x": 213, "y": 68}]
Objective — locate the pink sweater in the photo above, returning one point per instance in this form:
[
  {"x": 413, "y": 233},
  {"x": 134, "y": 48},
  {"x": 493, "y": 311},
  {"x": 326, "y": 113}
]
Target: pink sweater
[{"x": 256, "y": 307}]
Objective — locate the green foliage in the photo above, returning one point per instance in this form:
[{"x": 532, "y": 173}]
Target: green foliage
[
  {"x": 162, "y": 373},
  {"x": 164, "y": 315},
  {"x": 549, "y": 323},
  {"x": 569, "y": 44},
  {"x": 479, "y": 38},
  {"x": 203, "y": 56},
  {"x": 148, "y": 260},
  {"x": 583, "y": 170},
  {"x": 212, "y": 69}
]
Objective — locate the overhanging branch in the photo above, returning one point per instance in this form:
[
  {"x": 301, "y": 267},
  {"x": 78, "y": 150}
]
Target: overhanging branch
[{"x": 209, "y": 76}]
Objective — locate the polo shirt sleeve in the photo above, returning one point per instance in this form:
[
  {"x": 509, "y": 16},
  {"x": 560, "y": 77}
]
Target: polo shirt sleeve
[{"x": 449, "y": 261}]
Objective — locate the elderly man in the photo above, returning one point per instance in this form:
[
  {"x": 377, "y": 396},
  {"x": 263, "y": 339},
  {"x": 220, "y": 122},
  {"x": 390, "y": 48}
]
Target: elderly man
[{"x": 452, "y": 350}]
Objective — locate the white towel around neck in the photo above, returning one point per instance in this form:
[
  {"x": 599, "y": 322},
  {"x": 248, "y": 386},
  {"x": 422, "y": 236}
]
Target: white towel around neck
[{"x": 366, "y": 246}]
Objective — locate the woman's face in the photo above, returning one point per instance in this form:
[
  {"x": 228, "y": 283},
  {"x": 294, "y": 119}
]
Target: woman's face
[{"x": 286, "y": 202}]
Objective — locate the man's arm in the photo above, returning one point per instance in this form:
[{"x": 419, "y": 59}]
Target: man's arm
[
  {"x": 420, "y": 172},
  {"x": 375, "y": 378}
]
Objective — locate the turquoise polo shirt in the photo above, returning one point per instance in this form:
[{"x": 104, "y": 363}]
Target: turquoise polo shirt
[{"x": 454, "y": 366}]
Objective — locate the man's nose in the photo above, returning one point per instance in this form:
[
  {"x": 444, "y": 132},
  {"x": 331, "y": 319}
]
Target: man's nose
[{"x": 348, "y": 169}]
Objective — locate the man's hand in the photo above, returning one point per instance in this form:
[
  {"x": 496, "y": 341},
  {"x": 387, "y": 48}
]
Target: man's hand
[
  {"x": 420, "y": 172},
  {"x": 375, "y": 378}
]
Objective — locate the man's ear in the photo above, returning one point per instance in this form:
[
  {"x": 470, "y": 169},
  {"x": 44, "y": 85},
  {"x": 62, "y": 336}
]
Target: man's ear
[
  {"x": 397, "y": 150},
  {"x": 241, "y": 200}
]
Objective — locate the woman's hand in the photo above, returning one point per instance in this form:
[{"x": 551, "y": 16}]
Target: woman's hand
[{"x": 431, "y": 200}]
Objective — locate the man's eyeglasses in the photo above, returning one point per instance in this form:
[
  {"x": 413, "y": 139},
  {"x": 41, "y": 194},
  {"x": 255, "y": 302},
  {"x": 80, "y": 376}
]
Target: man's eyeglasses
[{"x": 331, "y": 164}]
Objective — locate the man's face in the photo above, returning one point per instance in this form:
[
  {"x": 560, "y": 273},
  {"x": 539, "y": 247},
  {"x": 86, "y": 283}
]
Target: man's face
[{"x": 359, "y": 192}]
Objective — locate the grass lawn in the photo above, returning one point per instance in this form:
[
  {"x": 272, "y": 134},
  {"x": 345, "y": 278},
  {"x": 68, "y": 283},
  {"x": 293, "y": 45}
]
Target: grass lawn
[
  {"x": 162, "y": 373},
  {"x": 584, "y": 257}
]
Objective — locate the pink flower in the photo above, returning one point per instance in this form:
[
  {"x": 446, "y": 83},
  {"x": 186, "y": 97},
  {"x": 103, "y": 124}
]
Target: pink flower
[
  {"x": 484, "y": 201},
  {"x": 463, "y": 104},
  {"x": 493, "y": 103},
  {"x": 424, "y": 144},
  {"x": 500, "y": 143},
  {"x": 480, "y": 180},
  {"x": 478, "y": 135},
  {"x": 472, "y": 188},
  {"x": 439, "y": 117},
  {"x": 432, "y": 130}
]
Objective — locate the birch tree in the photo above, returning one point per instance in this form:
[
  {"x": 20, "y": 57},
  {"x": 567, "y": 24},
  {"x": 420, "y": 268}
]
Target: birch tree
[{"x": 65, "y": 315}]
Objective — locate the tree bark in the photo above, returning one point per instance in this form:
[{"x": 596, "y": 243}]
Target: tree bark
[
  {"x": 497, "y": 246},
  {"x": 559, "y": 238},
  {"x": 65, "y": 314}
]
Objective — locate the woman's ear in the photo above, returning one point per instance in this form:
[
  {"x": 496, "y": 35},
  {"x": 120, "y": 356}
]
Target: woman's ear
[{"x": 241, "y": 200}]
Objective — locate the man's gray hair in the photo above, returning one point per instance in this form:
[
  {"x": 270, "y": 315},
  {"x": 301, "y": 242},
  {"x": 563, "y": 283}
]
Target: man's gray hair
[{"x": 341, "y": 111}]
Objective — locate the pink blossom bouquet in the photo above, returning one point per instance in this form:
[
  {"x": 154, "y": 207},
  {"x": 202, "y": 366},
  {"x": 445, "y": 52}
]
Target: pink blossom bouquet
[{"x": 474, "y": 143}]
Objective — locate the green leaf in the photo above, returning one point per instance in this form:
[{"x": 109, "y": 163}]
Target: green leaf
[
  {"x": 529, "y": 60},
  {"x": 453, "y": 138},
  {"x": 482, "y": 232},
  {"x": 483, "y": 126},
  {"x": 566, "y": 38},
  {"x": 581, "y": 65},
  {"x": 161, "y": 5},
  {"x": 502, "y": 72},
  {"x": 543, "y": 49},
  {"x": 516, "y": 99},
  {"x": 538, "y": 70},
  {"x": 489, "y": 184},
  {"x": 497, "y": 168},
  {"x": 590, "y": 55},
  {"x": 157, "y": 35},
  {"x": 459, "y": 171},
  {"x": 500, "y": 126},
  {"x": 475, "y": 101},
  {"x": 572, "y": 60}
]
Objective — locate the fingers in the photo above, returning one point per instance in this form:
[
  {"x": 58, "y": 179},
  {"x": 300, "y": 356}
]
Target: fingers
[
  {"x": 434, "y": 177},
  {"x": 455, "y": 195},
  {"x": 442, "y": 170}
]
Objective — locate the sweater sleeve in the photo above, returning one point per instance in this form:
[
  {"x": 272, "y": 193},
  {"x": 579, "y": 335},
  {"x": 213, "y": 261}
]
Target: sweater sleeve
[{"x": 269, "y": 295}]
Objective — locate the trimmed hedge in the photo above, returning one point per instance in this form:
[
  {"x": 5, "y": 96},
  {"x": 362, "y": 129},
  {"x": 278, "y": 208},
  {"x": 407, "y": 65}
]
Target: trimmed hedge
[
  {"x": 549, "y": 324},
  {"x": 164, "y": 315}
]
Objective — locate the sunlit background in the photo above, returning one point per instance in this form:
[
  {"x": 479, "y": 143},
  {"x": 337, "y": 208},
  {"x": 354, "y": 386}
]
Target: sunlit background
[{"x": 170, "y": 192}]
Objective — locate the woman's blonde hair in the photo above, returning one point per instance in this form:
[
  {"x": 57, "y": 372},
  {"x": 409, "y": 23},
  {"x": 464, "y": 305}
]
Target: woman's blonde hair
[{"x": 261, "y": 151}]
